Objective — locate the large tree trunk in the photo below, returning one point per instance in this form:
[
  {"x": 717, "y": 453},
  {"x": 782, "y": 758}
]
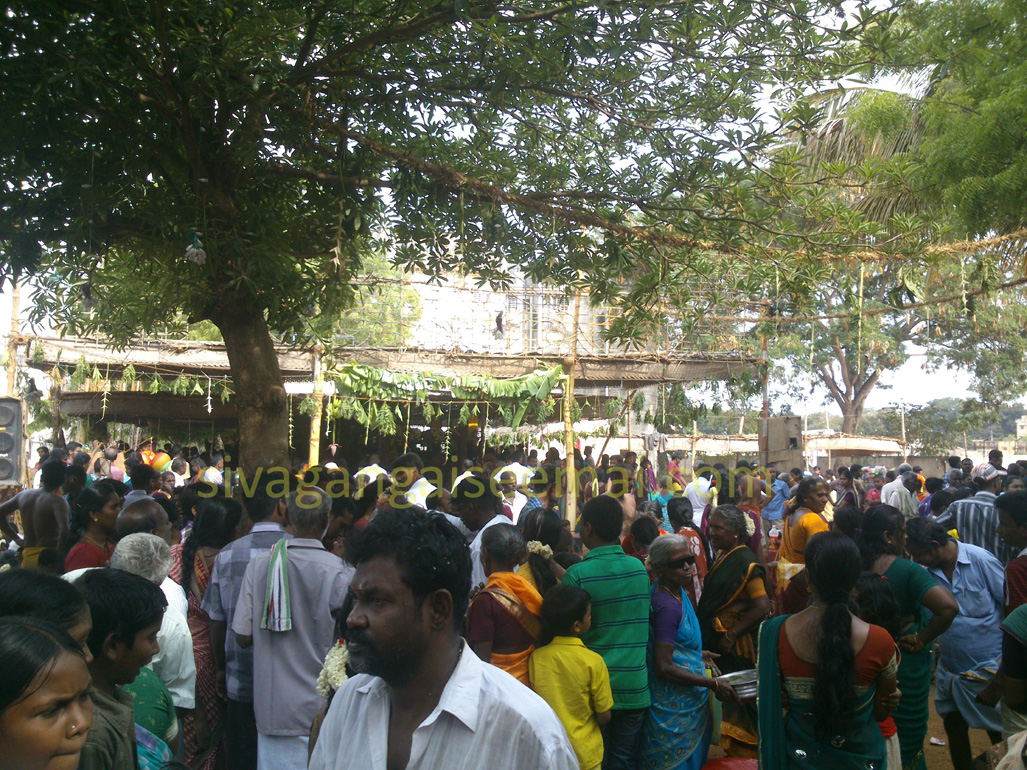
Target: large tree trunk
[
  {"x": 848, "y": 388},
  {"x": 260, "y": 400},
  {"x": 852, "y": 413}
]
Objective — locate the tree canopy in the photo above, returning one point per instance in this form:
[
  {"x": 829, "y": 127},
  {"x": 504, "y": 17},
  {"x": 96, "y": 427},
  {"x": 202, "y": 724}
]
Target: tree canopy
[{"x": 236, "y": 161}]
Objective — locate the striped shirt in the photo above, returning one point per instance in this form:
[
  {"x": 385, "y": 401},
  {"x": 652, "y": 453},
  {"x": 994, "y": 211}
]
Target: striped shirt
[
  {"x": 619, "y": 587},
  {"x": 222, "y": 596},
  {"x": 975, "y": 519}
]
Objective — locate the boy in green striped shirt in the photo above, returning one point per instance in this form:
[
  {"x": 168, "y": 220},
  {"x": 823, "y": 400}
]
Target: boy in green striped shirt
[{"x": 619, "y": 588}]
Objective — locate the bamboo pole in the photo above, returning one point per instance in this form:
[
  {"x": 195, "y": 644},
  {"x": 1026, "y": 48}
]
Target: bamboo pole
[
  {"x": 695, "y": 440},
  {"x": 570, "y": 364},
  {"x": 905, "y": 449},
  {"x": 315, "y": 417},
  {"x": 12, "y": 339},
  {"x": 765, "y": 417}
]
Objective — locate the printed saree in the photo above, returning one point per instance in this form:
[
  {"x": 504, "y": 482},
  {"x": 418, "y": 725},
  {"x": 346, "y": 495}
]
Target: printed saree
[
  {"x": 679, "y": 723},
  {"x": 209, "y": 705},
  {"x": 722, "y": 604}
]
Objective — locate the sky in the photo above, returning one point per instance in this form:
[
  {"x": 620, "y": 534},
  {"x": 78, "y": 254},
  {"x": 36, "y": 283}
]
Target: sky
[{"x": 910, "y": 384}]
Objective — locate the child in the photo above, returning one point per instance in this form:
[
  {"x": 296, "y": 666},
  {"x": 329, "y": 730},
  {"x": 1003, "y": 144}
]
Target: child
[
  {"x": 45, "y": 712},
  {"x": 878, "y": 606},
  {"x": 572, "y": 679},
  {"x": 874, "y": 495},
  {"x": 127, "y": 612}
]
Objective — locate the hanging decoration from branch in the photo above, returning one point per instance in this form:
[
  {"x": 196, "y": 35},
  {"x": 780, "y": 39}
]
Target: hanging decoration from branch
[{"x": 384, "y": 392}]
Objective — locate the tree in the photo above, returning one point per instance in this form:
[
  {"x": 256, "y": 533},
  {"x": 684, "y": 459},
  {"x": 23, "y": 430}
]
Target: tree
[
  {"x": 961, "y": 302},
  {"x": 236, "y": 161},
  {"x": 933, "y": 429},
  {"x": 974, "y": 111}
]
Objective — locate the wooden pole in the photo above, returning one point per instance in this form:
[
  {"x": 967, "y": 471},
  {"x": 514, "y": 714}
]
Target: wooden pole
[
  {"x": 695, "y": 439},
  {"x": 315, "y": 417},
  {"x": 570, "y": 365},
  {"x": 629, "y": 425},
  {"x": 765, "y": 422},
  {"x": 905, "y": 451},
  {"x": 805, "y": 451},
  {"x": 12, "y": 339}
]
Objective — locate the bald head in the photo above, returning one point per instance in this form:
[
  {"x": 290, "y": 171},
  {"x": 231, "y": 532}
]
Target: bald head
[{"x": 144, "y": 516}]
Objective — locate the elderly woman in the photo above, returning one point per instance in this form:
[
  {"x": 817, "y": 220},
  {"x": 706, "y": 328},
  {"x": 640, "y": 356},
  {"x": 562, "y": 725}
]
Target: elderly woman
[
  {"x": 504, "y": 620},
  {"x": 678, "y": 725},
  {"x": 734, "y": 601},
  {"x": 804, "y": 517}
]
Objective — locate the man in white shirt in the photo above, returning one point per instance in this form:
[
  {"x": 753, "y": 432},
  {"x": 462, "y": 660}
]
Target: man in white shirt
[
  {"x": 522, "y": 473},
  {"x": 468, "y": 469},
  {"x": 479, "y": 507},
  {"x": 407, "y": 479},
  {"x": 215, "y": 474},
  {"x": 370, "y": 472},
  {"x": 423, "y": 700},
  {"x": 896, "y": 484},
  {"x": 698, "y": 490},
  {"x": 512, "y": 498},
  {"x": 903, "y": 497},
  {"x": 180, "y": 468}
]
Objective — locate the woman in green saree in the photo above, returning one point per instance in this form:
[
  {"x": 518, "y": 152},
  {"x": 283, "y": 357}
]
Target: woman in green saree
[
  {"x": 734, "y": 600},
  {"x": 825, "y": 676},
  {"x": 882, "y": 542}
]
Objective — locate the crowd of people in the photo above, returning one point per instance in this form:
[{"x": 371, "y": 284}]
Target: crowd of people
[{"x": 194, "y": 618}]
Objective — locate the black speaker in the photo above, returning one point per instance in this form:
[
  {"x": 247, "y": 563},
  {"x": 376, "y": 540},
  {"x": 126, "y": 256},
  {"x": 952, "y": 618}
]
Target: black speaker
[{"x": 12, "y": 441}]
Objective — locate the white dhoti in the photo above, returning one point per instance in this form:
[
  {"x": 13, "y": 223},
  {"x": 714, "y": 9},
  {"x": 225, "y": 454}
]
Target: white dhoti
[{"x": 282, "y": 752}]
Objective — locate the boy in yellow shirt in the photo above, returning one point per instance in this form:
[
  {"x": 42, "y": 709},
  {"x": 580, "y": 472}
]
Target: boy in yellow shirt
[{"x": 571, "y": 678}]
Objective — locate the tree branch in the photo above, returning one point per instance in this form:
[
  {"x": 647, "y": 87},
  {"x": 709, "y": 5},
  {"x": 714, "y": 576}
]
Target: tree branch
[
  {"x": 480, "y": 191},
  {"x": 408, "y": 31},
  {"x": 331, "y": 179}
]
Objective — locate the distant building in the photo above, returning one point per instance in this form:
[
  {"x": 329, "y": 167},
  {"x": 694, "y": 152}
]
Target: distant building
[{"x": 1021, "y": 427}]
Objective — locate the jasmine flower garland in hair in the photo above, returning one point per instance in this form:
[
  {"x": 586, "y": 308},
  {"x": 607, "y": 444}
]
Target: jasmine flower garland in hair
[{"x": 535, "y": 547}]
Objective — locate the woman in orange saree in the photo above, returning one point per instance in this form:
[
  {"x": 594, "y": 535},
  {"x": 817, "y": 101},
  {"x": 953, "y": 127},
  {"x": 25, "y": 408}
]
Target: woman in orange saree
[{"x": 503, "y": 621}]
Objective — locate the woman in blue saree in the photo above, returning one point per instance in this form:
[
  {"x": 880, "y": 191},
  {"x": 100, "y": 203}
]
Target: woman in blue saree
[
  {"x": 679, "y": 723},
  {"x": 825, "y": 677}
]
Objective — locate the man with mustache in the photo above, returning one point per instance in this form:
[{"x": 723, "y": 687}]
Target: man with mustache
[{"x": 423, "y": 700}]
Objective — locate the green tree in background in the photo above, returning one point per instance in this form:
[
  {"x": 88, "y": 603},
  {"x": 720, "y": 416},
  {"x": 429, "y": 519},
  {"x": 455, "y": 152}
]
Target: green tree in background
[
  {"x": 974, "y": 112},
  {"x": 936, "y": 167},
  {"x": 236, "y": 162}
]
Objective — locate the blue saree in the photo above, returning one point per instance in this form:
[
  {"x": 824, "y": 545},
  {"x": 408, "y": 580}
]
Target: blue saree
[
  {"x": 679, "y": 724},
  {"x": 789, "y": 741}
]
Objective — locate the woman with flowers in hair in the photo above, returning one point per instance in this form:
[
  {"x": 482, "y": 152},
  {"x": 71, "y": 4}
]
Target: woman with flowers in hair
[
  {"x": 541, "y": 528},
  {"x": 734, "y": 601},
  {"x": 504, "y": 620}
]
